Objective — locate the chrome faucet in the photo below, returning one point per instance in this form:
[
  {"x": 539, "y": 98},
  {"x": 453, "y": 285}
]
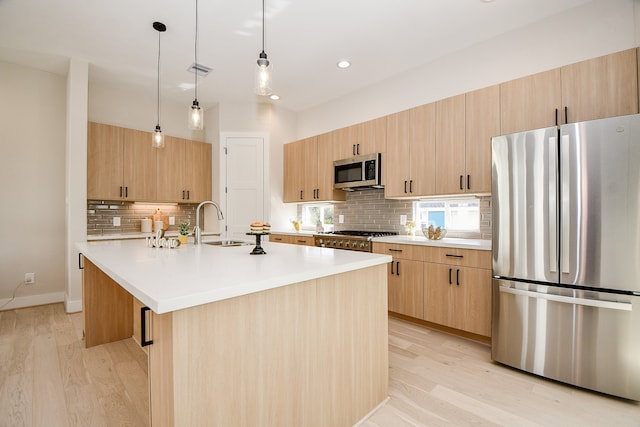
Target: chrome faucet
[{"x": 197, "y": 234}]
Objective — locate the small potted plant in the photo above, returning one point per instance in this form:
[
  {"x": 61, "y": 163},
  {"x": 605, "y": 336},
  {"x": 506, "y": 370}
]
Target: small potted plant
[{"x": 183, "y": 229}]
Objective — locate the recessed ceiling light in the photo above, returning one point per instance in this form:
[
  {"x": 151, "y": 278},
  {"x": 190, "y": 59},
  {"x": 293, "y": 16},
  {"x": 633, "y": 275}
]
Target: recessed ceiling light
[
  {"x": 274, "y": 97},
  {"x": 343, "y": 64}
]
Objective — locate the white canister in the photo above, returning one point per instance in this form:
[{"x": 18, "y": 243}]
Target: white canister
[
  {"x": 146, "y": 225},
  {"x": 158, "y": 225}
]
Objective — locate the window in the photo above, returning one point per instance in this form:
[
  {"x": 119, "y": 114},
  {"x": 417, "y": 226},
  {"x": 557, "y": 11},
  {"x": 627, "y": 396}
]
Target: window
[
  {"x": 452, "y": 214},
  {"x": 311, "y": 214}
]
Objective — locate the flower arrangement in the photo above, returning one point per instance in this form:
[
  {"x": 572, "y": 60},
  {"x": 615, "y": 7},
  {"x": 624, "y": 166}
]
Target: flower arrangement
[
  {"x": 410, "y": 227},
  {"x": 296, "y": 224}
]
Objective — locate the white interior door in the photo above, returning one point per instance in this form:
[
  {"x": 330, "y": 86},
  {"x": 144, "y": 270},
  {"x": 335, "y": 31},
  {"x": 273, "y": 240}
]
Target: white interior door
[{"x": 245, "y": 183}]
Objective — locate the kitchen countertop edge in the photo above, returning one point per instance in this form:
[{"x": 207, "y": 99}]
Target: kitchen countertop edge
[{"x": 447, "y": 242}]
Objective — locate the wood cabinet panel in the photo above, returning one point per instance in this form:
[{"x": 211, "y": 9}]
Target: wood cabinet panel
[
  {"x": 140, "y": 166},
  {"x": 105, "y": 161},
  {"x": 458, "y": 257},
  {"x": 482, "y": 122},
  {"x": 450, "y": 145},
  {"x": 401, "y": 251},
  {"x": 410, "y": 156},
  {"x": 601, "y": 87},
  {"x": 308, "y": 170},
  {"x": 171, "y": 170},
  {"x": 530, "y": 102},
  {"x": 405, "y": 287},
  {"x": 363, "y": 138},
  {"x": 184, "y": 171}
]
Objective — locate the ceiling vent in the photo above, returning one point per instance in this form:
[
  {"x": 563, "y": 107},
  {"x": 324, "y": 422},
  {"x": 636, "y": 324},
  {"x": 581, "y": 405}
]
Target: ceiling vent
[{"x": 202, "y": 70}]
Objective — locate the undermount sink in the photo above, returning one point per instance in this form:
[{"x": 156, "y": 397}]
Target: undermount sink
[{"x": 225, "y": 243}]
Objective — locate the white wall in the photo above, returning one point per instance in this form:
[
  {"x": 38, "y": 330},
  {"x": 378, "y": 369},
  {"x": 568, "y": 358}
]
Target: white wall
[
  {"x": 595, "y": 29},
  {"x": 32, "y": 177}
]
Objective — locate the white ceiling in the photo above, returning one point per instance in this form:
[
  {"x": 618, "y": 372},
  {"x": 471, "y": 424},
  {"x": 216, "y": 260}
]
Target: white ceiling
[{"x": 304, "y": 40}]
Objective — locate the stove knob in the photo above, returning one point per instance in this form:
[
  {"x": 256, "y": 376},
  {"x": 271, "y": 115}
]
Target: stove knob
[{"x": 347, "y": 243}]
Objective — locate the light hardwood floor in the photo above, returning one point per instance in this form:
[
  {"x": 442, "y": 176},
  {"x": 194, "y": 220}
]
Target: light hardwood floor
[{"x": 48, "y": 378}]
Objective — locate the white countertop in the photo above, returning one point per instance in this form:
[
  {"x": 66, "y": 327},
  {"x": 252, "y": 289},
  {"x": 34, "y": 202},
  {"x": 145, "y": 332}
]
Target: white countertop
[
  {"x": 447, "y": 242},
  {"x": 172, "y": 279}
]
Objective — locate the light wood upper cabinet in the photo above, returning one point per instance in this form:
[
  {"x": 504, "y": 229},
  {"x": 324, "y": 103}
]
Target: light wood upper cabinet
[
  {"x": 601, "y": 87},
  {"x": 140, "y": 165},
  {"x": 198, "y": 171},
  {"x": 184, "y": 171},
  {"x": 121, "y": 164},
  {"x": 308, "y": 170},
  {"x": 293, "y": 174},
  {"x": 409, "y": 159},
  {"x": 105, "y": 161},
  {"x": 530, "y": 102},
  {"x": 363, "y": 138},
  {"x": 482, "y": 122},
  {"x": 450, "y": 145}
]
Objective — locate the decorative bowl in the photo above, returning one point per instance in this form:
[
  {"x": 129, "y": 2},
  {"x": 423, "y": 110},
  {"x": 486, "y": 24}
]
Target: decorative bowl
[{"x": 434, "y": 233}]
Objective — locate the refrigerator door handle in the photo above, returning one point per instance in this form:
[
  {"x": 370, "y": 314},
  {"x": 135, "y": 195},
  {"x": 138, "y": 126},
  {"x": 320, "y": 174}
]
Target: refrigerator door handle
[
  {"x": 624, "y": 306},
  {"x": 566, "y": 203},
  {"x": 553, "y": 206}
]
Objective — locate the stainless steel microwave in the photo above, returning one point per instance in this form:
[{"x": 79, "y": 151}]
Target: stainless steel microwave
[{"x": 358, "y": 173}]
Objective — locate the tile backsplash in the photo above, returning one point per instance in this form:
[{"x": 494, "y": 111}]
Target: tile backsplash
[
  {"x": 100, "y": 214},
  {"x": 369, "y": 210}
]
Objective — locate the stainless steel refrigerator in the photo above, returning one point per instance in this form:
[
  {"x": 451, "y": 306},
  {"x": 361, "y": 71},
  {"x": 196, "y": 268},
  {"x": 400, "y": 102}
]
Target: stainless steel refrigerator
[{"x": 566, "y": 253}]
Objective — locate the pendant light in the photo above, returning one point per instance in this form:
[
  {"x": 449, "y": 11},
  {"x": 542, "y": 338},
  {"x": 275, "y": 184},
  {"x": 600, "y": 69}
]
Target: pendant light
[
  {"x": 195, "y": 113},
  {"x": 157, "y": 139},
  {"x": 262, "y": 81}
]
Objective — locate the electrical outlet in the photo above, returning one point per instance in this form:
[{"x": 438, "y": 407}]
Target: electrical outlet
[
  {"x": 403, "y": 219},
  {"x": 172, "y": 220},
  {"x": 116, "y": 221},
  {"x": 341, "y": 219},
  {"x": 29, "y": 278}
]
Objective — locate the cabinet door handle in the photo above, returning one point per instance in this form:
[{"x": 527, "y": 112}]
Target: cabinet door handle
[
  {"x": 405, "y": 186},
  {"x": 300, "y": 194},
  {"x": 454, "y": 256},
  {"x": 450, "y": 276},
  {"x": 188, "y": 195},
  {"x": 392, "y": 272},
  {"x": 353, "y": 149},
  {"x": 468, "y": 182},
  {"x": 183, "y": 194},
  {"x": 80, "y": 263},
  {"x": 556, "y": 117},
  {"x": 461, "y": 186},
  {"x": 357, "y": 148},
  {"x": 566, "y": 114},
  {"x": 395, "y": 250},
  {"x": 143, "y": 327},
  {"x": 121, "y": 191},
  {"x": 410, "y": 186},
  {"x": 126, "y": 192},
  {"x": 397, "y": 268},
  {"x": 457, "y": 277}
]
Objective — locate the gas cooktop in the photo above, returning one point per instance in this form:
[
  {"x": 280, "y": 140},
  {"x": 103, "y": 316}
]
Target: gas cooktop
[
  {"x": 361, "y": 233},
  {"x": 354, "y": 240}
]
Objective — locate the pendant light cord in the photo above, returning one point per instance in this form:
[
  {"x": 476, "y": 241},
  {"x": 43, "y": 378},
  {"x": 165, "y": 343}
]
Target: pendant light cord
[
  {"x": 195, "y": 54},
  {"x": 262, "y": 25},
  {"x": 158, "y": 84}
]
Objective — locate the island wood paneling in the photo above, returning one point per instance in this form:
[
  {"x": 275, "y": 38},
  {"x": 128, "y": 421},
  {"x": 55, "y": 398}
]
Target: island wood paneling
[
  {"x": 312, "y": 354},
  {"x": 107, "y": 308}
]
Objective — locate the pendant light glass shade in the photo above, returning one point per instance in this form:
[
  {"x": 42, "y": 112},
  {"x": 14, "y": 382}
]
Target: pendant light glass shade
[
  {"x": 263, "y": 72},
  {"x": 262, "y": 81},
  {"x": 195, "y": 116},
  {"x": 195, "y": 112},
  {"x": 157, "y": 138}
]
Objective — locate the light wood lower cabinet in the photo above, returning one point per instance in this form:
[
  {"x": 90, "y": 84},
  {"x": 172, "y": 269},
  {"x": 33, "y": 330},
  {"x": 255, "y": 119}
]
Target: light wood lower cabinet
[
  {"x": 444, "y": 286},
  {"x": 313, "y": 353},
  {"x": 292, "y": 239}
]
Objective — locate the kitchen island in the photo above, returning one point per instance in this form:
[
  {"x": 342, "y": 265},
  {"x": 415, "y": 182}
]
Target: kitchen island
[{"x": 294, "y": 337}]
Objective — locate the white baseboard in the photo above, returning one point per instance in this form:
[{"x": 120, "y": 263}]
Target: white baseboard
[
  {"x": 72, "y": 306},
  {"x": 33, "y": 300}
]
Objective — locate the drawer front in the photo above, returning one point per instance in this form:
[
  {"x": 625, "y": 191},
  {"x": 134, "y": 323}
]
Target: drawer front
[
  {"x": 459, "y": 257},
  {"x": 302, "y": 240},
  {"x": 400, "y": 251},
  {"x": 280, "y": 238}
]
